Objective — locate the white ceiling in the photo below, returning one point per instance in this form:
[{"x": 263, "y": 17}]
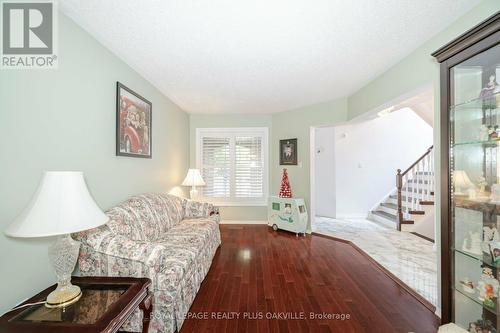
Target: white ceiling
[{"x": 260, "y": 56}]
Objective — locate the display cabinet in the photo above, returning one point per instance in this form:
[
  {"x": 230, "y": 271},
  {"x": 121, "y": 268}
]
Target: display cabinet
[{"x": 470, "y": 177}]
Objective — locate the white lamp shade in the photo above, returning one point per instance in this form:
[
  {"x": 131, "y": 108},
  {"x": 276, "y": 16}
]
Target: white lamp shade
[
  {"x": 461, "y": 180},
  {"x": 61, "y": 205},
  {"x": 193, "y": 178}
]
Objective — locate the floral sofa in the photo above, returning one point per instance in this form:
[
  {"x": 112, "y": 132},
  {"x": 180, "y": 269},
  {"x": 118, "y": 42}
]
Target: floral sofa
[{"x": 168, "y": 239}]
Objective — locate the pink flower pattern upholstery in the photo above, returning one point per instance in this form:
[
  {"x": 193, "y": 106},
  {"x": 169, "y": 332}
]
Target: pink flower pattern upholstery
[{"x": 168, "y": 239}]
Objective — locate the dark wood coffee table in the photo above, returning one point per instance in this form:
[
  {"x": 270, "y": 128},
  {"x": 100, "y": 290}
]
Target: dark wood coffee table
[{"x": 106, "y": 303}]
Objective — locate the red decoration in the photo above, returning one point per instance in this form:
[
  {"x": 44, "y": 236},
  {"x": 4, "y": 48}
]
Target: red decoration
[{"x": 286, "y": 189}]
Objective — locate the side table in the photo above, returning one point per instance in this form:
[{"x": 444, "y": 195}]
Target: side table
[{"x": 105, "y": 305}]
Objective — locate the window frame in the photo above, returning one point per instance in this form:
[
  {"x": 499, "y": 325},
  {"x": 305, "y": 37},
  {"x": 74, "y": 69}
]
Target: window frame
[{"x": 232, "y": 132}]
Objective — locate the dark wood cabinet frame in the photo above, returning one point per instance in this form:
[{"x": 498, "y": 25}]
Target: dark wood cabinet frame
[{"x": 478, "y": 39}]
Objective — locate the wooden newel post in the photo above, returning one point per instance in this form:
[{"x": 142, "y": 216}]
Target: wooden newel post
[{"x": 399, "y": 186}]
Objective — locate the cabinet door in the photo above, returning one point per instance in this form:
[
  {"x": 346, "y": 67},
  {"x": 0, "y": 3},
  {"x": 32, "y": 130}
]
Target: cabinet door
[{"x": 475, "y": 189}]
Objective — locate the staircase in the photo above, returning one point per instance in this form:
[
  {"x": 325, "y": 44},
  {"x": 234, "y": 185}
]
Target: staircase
[{"x": 412, "y": 201}]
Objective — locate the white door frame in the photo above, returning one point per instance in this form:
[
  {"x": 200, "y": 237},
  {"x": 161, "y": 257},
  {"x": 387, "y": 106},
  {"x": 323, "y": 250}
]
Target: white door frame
[{"x": 312, "y": 173}]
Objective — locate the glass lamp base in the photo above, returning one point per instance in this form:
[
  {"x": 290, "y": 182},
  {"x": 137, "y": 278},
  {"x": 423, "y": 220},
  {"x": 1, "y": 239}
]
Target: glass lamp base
[
  {"x": 63, "y": 296},
  {"x": 63, "y": 255},
  {"x": 193, "y": 194}
]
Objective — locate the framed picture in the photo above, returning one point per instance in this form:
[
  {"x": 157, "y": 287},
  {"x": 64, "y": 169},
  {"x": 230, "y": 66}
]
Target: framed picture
[
  {"x": 288, "y": 152},
  {"x": 133, "y": 123}
]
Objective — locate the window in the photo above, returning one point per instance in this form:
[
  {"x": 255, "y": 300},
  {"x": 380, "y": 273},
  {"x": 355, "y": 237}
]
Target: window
[{"x": 234, "y": 165}]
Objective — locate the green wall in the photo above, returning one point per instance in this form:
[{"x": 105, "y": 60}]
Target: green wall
[
  {"x": 297, "y": 124},
  {"x": 418, "y": 68},
  {"x": 233, "y": 213},
  {"x": 284, "y": 125},
  {"x": 64, "y": 119}
]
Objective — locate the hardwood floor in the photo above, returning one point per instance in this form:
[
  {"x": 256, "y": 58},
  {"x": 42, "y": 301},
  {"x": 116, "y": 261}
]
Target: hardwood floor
[{"x": 258, "y": 273}]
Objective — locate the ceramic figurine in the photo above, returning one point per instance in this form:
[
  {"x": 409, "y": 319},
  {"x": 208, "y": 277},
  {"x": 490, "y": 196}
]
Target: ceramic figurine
[
  {"x": 487, "y": 273},
  {"x": 472, "y": 243},
  {"x": 488, "y": 290},
  {"x": 487, "y": 238},
  {"x": 482, "y": 326},
  {"x": 495, "y": 250},
  {"x": 491, "y": 86},
  {"x": 496, "y": 133},
  {"x": 481, "y": 182},
  {"x": 490, "y": 132},
  {"x": 467, "y": 285}
]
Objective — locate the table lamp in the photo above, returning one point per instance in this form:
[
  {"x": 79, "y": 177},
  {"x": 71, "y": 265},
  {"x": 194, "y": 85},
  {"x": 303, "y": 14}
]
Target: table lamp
[
  {"x": 62, "y": 205},
  {"x": 461, "y": 182},
  {"x": 193, "y": 179}
]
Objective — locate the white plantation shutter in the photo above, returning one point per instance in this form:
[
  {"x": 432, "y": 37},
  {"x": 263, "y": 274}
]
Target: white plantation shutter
[
  {"x": 249, "y": 167},
  {"x": 216, "y": 167},
  {"x": 233, "y": 163}
]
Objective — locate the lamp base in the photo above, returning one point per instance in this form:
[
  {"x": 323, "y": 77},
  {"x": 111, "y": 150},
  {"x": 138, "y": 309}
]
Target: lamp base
[
  {"x": 193, "y": 194},
  {"x": 63, "y": 255},
  {"x": 63, "y": 296}
]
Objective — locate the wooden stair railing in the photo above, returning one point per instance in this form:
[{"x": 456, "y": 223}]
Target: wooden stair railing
[{"x": 421, "y": 188}]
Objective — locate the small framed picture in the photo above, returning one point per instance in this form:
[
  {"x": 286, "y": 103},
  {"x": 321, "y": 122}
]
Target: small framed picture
[
  {"x": 288, "y": 152},
  {"x": 495, "y": 251},
  {"x": 133, "y": 123}
]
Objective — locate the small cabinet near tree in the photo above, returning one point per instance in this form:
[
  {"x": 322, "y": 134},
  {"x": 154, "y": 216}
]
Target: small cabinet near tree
[{"x": 470, "y": 177}]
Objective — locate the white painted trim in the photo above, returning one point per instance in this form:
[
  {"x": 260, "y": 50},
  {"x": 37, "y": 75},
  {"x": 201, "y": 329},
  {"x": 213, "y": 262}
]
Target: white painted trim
[
  {"x": 233, "y": 131},
  {"x": 242, "y": 222},
  {"x": 438, "y": 312},
  {"x": 312, "y": 174}
]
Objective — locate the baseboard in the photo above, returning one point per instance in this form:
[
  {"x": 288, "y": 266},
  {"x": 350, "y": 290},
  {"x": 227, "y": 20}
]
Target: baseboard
[
  {"x": 422, "y": 236},
  {"x": 242, "y": 222}
]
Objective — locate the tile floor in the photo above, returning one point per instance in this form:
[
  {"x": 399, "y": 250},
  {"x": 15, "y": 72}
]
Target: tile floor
[{"x": 411, "y": 258}]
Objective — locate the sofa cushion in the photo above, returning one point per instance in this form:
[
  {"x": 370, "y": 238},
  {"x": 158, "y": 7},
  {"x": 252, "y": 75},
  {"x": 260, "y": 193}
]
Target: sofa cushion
[
  {"x": 186, "y": 240},
  {"x": 146, "y": 217}
]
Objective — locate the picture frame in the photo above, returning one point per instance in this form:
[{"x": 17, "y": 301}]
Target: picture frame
[
  {"x": 288, "y": 152},
  {"x": 133, "y": 123}
]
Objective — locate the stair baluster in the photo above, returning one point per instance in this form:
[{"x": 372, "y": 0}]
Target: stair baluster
[
  {"x": 420, "y": 176},
  {"x": 399, "y": 186},
  {"x": 417, "y": 197}
]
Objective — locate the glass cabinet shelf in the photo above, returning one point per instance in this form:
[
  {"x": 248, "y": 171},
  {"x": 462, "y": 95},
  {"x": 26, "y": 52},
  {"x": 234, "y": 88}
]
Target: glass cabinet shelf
[
  {"x": 489, "y": 143},
  {"x": 489, "y": 102},
  {"x": 474, "y": 298},
  {"x": 485, "y": 206},
  {"x": 483, "y": 259}
]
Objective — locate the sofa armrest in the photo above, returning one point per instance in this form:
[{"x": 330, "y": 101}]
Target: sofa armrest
[{"x": 198, "y": 209}]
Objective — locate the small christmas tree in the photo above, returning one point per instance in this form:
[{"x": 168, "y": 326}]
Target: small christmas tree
[{"x": 286, "y": 189}]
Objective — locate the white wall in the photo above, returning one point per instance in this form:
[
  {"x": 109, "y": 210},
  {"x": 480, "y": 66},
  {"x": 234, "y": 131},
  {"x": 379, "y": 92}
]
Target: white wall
[
  {"x": 425, "y": 224},
  {"x": 324, "y": 176},
  {"x": 367, "y": 155}
]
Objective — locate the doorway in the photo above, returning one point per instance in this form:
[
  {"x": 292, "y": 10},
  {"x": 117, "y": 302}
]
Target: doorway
[{"x": 353, "y": 173}]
